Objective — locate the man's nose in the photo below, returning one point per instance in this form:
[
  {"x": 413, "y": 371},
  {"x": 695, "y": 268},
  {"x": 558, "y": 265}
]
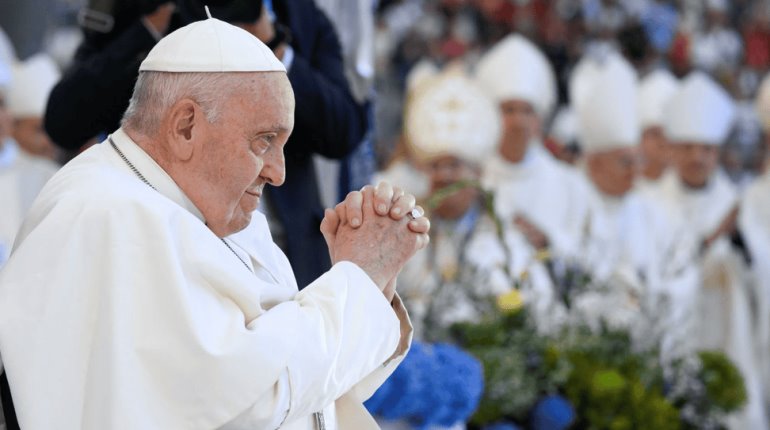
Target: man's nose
[{"x": 275, "y": 169}]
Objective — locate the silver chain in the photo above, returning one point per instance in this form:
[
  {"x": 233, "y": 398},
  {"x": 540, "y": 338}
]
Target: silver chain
[{"x": 143, "y": 179}]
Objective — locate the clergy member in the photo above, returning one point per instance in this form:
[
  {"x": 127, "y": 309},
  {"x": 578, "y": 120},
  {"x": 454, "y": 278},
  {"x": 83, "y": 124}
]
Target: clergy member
[
  {"x": 628, "y": 240},
  {"x": 33, "y": 79},
  {"x": 533, "y": 190},
  {"x": 697, "y": 120},
  {"x": 145, "y": 292},
  {"x": 654, "y": 91},
  {"x": 21, "y": 175},
  {"x": 451, "y": 126}
]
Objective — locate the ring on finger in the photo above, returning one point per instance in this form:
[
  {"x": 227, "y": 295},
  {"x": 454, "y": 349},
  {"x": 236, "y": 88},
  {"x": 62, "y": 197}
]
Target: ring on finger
[{"x": 415, "y": 213}]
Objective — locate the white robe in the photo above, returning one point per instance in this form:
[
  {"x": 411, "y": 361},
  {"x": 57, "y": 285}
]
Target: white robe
[
  {"x": 725, "y": 317},
  {"x": 630, "y": 237},
  {"x": 547, "y": 192},
  {"x": 754, "y": 223},
  {"x": 120, "y": 309},
  {"x": 21, "y": 178}
]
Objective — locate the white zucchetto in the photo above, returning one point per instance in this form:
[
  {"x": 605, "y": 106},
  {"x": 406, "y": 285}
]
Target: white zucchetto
[
  {"x": 451, "y": 115},
  {"x": 211, "y": 45},
  {"x": 762, "y": 104},
  {"x": 515, "y": 69},
  {"x": 654, "y": 91},
  {"x": 607, "y": 112},
  {"x": 33, "y": 80},
  {"x": 700, "y": 111}
]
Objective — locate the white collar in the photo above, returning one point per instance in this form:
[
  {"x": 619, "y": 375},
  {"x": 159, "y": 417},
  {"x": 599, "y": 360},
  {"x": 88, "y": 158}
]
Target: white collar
[{"x": 154, "y": 174}]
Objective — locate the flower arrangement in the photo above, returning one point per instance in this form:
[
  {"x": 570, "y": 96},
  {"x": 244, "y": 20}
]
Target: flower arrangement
[
  {"x": 435, "y": 385},
  {"x": 593, "y": 379}
]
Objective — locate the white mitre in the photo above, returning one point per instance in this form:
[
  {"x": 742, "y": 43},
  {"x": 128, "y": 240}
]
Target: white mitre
[
  {"x": 33, "y": 80},
  {"x": 700, "y": 111},
  {"x": 211, "y": 45},
  {"x": 422, "y": 72},
  {"x": 607, "y": 111},
  {"x": 762, "y": 104},
  {"x": 654, "y": 92},
  {"x": 515, "y": 69},
  {"x": 451, "y": 115}
]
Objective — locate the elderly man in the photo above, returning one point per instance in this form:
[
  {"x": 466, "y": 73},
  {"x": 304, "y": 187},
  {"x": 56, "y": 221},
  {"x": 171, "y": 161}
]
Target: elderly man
[
  {"x": 144, "y": 292},
  {"x": 533, "y": 190},
  {"x": 627, "y": 236},
  {"x": 698, "y": 118}
]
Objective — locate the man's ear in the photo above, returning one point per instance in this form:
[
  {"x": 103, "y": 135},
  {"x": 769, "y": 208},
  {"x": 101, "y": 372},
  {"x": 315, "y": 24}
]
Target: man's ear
[{"x": 185, "y": 124}]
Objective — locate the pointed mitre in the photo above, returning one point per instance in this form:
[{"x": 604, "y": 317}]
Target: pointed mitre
[
  {"x": 700, "y": 111},
  {"x": 654, "y": 91},
  {"x": 606, "y": 111},
  {"x": 422, "y": 72},
  {"x": 515, "y": 69},
  {"x": 451, "y": 115},
  {"x": 33, "y": 81}
]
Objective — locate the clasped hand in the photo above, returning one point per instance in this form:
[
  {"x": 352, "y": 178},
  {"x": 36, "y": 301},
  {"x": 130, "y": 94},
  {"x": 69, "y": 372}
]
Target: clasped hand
[{"x": 372, "y": 228}]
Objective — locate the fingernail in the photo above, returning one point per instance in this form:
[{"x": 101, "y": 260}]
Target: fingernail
[
  {"x": 355, "y": 222},
  {"x": 396, "y": 211},
  {"x": 381, "y": 208}
]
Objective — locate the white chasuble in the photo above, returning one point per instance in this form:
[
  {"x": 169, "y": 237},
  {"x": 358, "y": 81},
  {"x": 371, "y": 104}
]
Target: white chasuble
[{"x": 120, "y": 309}]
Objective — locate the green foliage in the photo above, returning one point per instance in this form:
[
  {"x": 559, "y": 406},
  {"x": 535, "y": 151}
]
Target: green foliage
[{"x": 611, "y": 385}]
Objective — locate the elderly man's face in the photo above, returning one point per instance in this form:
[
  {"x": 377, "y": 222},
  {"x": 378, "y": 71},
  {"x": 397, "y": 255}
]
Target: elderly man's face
[
  {"x": 695, "y": 162},
  {"x": 520, "y": 125},
  {"x": 613, "y": 171},
  {"x": 242, "y": 151},
  {"x": 445, "y": 171}
]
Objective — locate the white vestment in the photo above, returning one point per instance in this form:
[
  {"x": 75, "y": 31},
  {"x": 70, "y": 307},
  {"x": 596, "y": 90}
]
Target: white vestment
[
  {"x": 725, "y": 314},
  {"x": 630, "y": 237},
  {"x": 120, "y": 309},
  {"x": 754, "y": 224},
  {"x": 21, "y": 178},
  {"x": 545, "y": 191}
]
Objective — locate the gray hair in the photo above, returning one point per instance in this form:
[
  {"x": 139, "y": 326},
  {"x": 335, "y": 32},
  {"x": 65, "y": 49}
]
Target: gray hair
[{"x": 155, "y": 92}]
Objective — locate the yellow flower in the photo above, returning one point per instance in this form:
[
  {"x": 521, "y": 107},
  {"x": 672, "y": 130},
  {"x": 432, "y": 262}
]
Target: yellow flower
[{"x": 510, "y": 301}]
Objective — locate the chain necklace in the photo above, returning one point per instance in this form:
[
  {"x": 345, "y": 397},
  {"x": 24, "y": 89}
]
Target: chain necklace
[
  {"x": 319, "y": 416},
  {"x": 143, "y": 179}
]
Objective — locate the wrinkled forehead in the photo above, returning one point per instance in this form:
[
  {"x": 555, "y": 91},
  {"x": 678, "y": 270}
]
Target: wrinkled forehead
[{"x": 268, "y": 93}]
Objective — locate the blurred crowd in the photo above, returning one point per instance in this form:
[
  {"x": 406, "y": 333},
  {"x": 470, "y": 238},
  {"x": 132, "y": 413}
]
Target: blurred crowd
[{"x": 621, "y": 142}]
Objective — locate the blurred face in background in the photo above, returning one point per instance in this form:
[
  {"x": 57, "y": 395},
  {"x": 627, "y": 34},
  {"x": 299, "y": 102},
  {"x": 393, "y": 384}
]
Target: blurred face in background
[
  {"x": 520, "y": 125},
  {"x": 695, "y": 162},
  {"x": 32, "y": 138},
  {"x": 446, "y": 170},
  {"x": 613, "y": 171},
  {"x": 654, "y": 152}
]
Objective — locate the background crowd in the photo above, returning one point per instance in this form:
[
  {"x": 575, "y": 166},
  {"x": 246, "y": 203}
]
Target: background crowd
[{"x": 618, "y": 142}]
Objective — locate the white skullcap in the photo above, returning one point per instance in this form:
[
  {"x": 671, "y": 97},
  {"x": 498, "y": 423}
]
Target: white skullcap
[
  {"x": 419, "y": 74},
  {"x": 564, "y": 127},
  {"x": 654, "y": 91},
  {"x": 451, "y": 115},
  {"x": 763, "y": 103},
  {"x": 211, "y": 45},
  {"x": 699, "y": 112},
  {"x": 7, "y": 58},
  {"x": 607, "y": 115},
  {"x": 515, "y": 69},
  {"x": 33, "y": 81}
]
